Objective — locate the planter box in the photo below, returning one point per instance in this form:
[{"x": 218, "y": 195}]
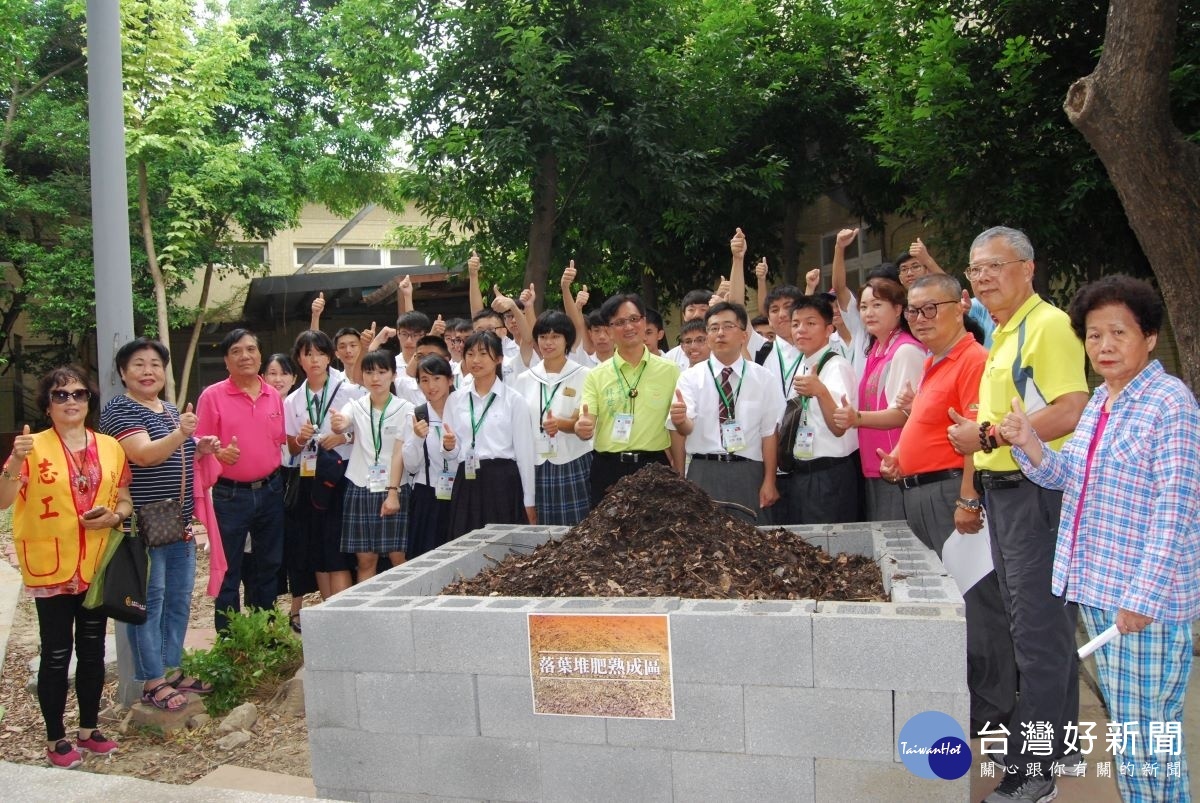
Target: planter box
[{"x": 414, "y": 696}]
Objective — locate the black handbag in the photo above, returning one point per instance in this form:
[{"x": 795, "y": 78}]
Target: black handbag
[
  {"x": 119, "y": 588},
  {"x": 161, "y": 522},
  {"x": 291, "y": 487}
]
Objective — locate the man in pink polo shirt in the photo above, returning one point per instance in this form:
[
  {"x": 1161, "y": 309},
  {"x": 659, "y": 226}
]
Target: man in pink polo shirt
[{"x": 247, "y": 415}]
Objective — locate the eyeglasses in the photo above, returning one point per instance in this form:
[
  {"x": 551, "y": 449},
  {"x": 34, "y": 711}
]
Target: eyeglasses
[
  {"x": 717, "y": 328},
  {"x": 927, "y": 311},
  {"x": 693, "y": 341},
  {"x": 977, "y": 269},
  {"x": 64, "y": 396},
  {"x": 910, "y": 269},
  {"x": 621, "y": 323},
  {"x": 456, "y": 340}
]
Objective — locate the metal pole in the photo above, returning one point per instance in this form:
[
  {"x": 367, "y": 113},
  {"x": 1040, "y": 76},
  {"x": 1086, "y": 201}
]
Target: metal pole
[{"x": 110, "y": 229}]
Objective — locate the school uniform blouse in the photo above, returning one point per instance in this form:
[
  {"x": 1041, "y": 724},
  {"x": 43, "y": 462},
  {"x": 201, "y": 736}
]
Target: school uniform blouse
[
  {"x": 838, "y": 377},
  {"x": 367, "y": 424},
  {"x": 504, "y": 432},
  {"x": 564, "y": 390},
  {"x": 414, "y": 455},
  {"x": 296, "y": 412}
]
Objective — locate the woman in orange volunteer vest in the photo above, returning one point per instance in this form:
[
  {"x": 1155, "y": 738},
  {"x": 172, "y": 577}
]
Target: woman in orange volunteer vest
[{"x": 71, "y": 487}]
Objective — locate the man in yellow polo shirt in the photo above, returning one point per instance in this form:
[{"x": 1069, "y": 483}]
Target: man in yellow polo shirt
[
  {"x": 626, "y": 400},
  {"x": 1036, "y": 357}
]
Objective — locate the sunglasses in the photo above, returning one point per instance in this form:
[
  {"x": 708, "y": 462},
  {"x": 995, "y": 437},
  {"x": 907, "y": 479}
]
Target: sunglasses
[{"x": 64, "y": 396}]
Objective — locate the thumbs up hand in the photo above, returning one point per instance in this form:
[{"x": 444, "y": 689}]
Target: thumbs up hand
[
  {"x": 229, "y": 455},
  {"x": 188, "y": 421},
  {"x": 420, "y": 427},
  {"x": 905, "y": 398},
  {"x": 737, "y": 245},
  {"x": 318, "y": 304},
  {"x": 678, "y": 409},
  {"x": 473, "y": 264},
  {"x": 889, "y": 465},
  {"x": 528, "y": 295},
  {"x": 845, "y": 416},
  {"x": 581, "y": 298},
  {"x": 339, "y": 423},
  {"x": 448, "y": 439},
  {"x": 439, "y": 327},
  {"x": 1016, "y": 429},
  {"x": 585, "y": 427},
  {"x": 963, "y": 433},
  {"x": 568, "y": 277},
  {"x": 760, "y": 270},
  {"x": 550, "y": 425},
  {"x": 22, "y": 445}
]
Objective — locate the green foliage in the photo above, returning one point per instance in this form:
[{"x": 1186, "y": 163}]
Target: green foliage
[{"x": 256, "y": 653}]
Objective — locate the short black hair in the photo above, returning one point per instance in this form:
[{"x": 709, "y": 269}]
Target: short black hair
[
  {"x": 312, "y": 340},
  {"x": 608, "y": 310},
  {"x": 788, "y": 292},
  {"x": 728, "y": 306},
  {"x": 694, "y": 325},
  {"x": 65, "y": 375},
  {"x": 696, "y": 297},
  {"x": 595, "y": 320},
  {"x": 435, "y": 366},
  {"x": 414, "y": 321},
  {"x": 554, "y": 321},
  {"x": 816, "y": 302},
  {"x": 378, "y": 359},
  {"x": 126, "y": 352},
  {"x": 491, "y": 342},
  {"x": 233, "y": 337},
  {"x": 436, "y": 341},
  {"x": 345, "y": 330},
  {"x": 285, "y": 364},
  {"x": 1142, "y": 300},
  {"x": 654, "y": 318},
  {"x": 884, "y": 270},
  {"x": 487, "y": 312},
  {"x": 458, "y": 325},
  {"x": 759, "y": 320}
]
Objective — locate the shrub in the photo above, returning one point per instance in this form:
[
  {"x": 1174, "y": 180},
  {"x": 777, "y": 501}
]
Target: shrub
[{"x": 256, "y": 652}]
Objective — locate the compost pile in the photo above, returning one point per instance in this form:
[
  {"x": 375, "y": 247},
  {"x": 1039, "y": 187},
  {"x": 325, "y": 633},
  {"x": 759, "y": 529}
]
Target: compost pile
[{"x": 657, "y": 535}]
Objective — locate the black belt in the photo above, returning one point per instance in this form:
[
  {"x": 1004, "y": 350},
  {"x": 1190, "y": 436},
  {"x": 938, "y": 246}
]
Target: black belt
[
  {"x": 818, "y": 464},
  {"x": 995, "y": 480},
  {"x": 633, "y": 457},
  {"x": 924, "y": 478},
  {"x": 252, "y": 486},
  {"x": 721, "y": 458}
]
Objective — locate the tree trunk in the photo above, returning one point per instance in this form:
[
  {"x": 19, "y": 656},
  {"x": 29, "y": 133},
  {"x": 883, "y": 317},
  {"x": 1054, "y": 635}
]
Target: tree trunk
[
  {"x": 197, "y": 327},
  {"x": 160, "y": 286},
  {"x": 541, "y": 227},
  {"x": 1123, "y": 110}
]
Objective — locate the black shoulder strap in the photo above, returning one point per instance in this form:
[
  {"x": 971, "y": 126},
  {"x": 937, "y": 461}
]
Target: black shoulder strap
[
  {"x": 423, "y": 409},
  {"x": 761, "y": 355}
]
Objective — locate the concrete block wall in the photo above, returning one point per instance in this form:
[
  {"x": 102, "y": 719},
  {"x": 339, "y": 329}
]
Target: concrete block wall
[{"x": 413, "y": 696}]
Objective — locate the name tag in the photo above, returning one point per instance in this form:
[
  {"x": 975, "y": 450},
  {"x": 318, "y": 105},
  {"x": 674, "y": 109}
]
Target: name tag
[
  {"x": 733, "y": 437},
  {"x": 377, "y": 476},
  {"x": 622, "y": 427},
  {"x": 805, "y": 436},
  {"x": 545, "y": 444},
  {"x": 470, "y": 466},
  {"x": 444, "y": 486},
  {"x": 308, "y": 462}
]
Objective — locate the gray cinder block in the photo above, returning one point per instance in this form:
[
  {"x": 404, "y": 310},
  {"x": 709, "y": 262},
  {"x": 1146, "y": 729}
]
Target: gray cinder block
[
  {"x": 819, "y": 722},
  {"x": 330, "y": 699},
  {"x": 597, "y": 772},
  {"x": 743, "y": 645},
  {"x": 362, "y": 640},
  {"x": 349, "y": 760},
  {"x": 728, "y": 777},
  {"x": 848, "y": 781},
  {"x": 415, "y": 703},
  {"x": 707, "y": 718},
  {"x": 506, "y": 711},
  {"x": 481, "y": 769}
]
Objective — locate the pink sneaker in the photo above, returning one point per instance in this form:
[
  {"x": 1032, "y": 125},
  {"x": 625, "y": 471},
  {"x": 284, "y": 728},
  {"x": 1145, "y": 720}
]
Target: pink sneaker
[
  {"x": 97, "y": 743},
  {"x": 64, "y": 756}
]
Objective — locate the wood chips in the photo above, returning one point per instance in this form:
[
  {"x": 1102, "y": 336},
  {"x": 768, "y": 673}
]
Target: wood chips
[{"x": 657, "y": 535}]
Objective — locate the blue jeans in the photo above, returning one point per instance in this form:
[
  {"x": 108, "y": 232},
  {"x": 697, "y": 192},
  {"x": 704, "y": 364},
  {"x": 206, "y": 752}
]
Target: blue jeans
[
  {"x": 258, "y": 513},
  {"x": 158, "y": 644}
]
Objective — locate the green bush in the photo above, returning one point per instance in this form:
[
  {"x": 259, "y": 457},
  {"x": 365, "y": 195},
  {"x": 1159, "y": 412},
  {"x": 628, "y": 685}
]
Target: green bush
[{"x": 257, "y": 651}]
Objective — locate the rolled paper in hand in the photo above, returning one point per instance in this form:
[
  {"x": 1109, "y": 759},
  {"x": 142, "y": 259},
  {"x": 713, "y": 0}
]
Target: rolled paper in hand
[{"x": 1098, "y": 642}]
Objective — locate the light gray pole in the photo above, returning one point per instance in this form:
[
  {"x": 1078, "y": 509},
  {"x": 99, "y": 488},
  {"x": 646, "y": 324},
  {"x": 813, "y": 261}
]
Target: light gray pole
[{"x": 110, "y": 229}]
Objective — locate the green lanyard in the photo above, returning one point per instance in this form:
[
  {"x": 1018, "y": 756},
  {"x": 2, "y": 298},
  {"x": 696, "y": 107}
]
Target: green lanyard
[
  {"x": 445, "y": 462},
  {"x": 475, "y": 425},
  {"x": 546, "y": 402},
  {"x": 631, "y": 391},
  {"x": 377, "y": 433},
  {"x": 318, "y": 416},
  {"x": 787, "y": 374},
  {"x": 729, "y": 403}
]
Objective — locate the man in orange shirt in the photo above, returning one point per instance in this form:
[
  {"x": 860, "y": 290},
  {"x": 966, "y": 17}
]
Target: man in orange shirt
[{"x": 939, "y": 496}]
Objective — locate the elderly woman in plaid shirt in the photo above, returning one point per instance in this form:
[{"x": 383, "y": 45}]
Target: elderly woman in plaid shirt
[{"x": 1129, "y": 537}]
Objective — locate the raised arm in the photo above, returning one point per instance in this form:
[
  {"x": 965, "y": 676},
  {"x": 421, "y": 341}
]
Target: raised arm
[
  {"x": 919, "y": 252},
  {"x": 761, "y": 288},
  {"x": 737, "y": 268},
  {"x": 318, "y": 306},
  {"x": 404, "y": 295},
  {"x": 475, "y": 296},
  {"x": 838, "y": 277},
  {"x": 572, "y": 308}
]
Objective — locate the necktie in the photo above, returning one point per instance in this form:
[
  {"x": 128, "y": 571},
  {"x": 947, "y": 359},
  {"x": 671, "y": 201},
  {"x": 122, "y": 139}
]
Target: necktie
[{"x": 727, "y": 389}]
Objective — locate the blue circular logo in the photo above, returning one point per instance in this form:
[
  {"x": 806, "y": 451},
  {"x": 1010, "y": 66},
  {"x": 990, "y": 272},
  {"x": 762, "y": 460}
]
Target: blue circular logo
[{"x": 932, "y": 745}]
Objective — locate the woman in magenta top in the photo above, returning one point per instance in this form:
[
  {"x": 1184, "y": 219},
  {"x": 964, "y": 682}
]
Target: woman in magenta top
[{"x": 894, "y": 361}]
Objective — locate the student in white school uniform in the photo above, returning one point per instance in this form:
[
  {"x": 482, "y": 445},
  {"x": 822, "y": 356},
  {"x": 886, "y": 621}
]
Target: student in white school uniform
[
  {"x": 552, "y": 390},
  {"x": 823, "y": 484},
  {"x": 488, "y": 428},
  {"x": 407, "y": 385},
  {"x": 430, "y": 474},
  {"x": 307, "y": 422},
  {"x": 375, "y": 506},
  {"x": 724, "y": 417}
]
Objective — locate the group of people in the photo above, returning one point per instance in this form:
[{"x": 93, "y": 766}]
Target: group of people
[{"x": 914, "y": 400}]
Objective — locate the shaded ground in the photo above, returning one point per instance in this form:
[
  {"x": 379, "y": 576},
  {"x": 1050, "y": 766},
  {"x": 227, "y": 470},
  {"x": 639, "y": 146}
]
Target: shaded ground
[
  {"x": 656, "y": 534},
  {"x": 280, "y": 743}
]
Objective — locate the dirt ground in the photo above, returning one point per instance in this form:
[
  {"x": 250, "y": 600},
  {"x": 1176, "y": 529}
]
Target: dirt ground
[{"x": 280, "y": 743}]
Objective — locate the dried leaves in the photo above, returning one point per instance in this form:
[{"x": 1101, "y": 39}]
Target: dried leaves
[{"x": 658, "y": 535}]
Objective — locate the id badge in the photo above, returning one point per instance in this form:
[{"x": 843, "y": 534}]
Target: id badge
[
  {"x": 622, "y": 427},
  {"x": 733, "y": 436},
  {"x": 377, "y": 478},
  {"x": 545, "y": 444},
  {"x": 445, "y": 486},
  {"x": 804, "y": 443},
  {"x": 470, "y": 466},
  {"x": 308, "y": 463}
]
